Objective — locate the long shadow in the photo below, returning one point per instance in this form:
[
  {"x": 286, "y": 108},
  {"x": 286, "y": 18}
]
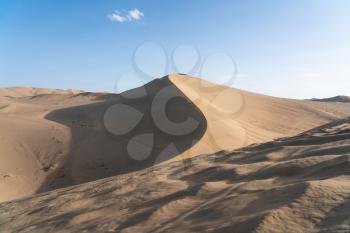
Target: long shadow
[
  {"x": 97, "y": 153},
  {"x": 337, "y": 220}
]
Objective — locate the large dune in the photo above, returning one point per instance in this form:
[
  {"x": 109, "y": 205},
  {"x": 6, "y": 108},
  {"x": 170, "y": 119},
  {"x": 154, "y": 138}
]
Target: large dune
[
  {"x": 52, "y": 139},
  {"x": 294, "y": 185}
]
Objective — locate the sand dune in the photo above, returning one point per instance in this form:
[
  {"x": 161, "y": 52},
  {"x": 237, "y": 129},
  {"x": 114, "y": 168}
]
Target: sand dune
[
  {"x": 15, "y": 92},
  {"x": 256, "y": 117},
  {"x": 296, "y": 184},
  {"x": 339, "y": 99},
  {"x": 53, "y": 139}
]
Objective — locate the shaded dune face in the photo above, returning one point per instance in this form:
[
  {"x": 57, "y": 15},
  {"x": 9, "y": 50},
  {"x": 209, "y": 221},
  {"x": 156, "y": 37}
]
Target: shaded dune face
[
  {"x": 283, "y": 185},
  {"x": 131, "y": 131}
]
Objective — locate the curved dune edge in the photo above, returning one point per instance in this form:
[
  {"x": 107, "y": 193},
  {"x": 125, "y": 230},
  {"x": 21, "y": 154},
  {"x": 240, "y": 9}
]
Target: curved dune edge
[
  {"x": 238, "y": 118},
  {"x": 295, "y": 184},
  {"x": 53, "y": 138}
]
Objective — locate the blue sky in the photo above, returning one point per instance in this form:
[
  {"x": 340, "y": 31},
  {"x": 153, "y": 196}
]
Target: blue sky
[{"x": 297, "y": 49}]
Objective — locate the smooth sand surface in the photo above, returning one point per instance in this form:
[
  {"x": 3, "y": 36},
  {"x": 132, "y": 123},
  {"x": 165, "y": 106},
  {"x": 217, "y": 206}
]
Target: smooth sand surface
[
  {"x": 53, "y": 138},
  {"x": 298, "y": 184}
]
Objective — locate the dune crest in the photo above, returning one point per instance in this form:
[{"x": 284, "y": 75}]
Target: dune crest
[{"x": 238, "y": 118}]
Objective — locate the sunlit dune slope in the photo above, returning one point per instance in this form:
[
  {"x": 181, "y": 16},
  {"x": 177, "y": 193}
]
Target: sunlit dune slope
[{"x": 238, "y": 118}]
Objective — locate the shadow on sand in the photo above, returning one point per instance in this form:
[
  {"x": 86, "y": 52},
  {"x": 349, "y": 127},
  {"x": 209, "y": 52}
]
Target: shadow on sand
[{"x": 96, "y": 153}]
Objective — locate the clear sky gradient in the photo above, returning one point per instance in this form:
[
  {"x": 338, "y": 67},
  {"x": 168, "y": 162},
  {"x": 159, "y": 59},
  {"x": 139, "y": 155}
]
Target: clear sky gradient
[{"x": 296, "y": 49}]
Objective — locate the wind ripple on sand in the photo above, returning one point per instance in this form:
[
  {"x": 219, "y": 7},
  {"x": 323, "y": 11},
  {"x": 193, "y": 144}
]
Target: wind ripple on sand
[{"x": 279, "y": 186}]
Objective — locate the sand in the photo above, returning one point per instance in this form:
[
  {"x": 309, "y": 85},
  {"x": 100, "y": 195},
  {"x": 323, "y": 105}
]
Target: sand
[
  {"x": 15, "y": 92},
  {"x": 296, "y": 184},
  {"x": 53, "y": 139},
  {"x": 215, "y": 159}
]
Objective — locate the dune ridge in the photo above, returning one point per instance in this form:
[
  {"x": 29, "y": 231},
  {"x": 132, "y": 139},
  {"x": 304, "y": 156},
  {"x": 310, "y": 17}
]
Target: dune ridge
[{"x": 53, "y": 140}]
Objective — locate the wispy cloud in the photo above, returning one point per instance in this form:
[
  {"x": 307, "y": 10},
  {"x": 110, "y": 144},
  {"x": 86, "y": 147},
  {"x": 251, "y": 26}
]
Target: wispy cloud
[
  {"x": 116, "y": 17},
  {"x": 135, "y": 14},
  {"x": 131, "y": 15}
]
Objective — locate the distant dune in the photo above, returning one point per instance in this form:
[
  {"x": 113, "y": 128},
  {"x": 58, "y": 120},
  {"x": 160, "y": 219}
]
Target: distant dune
[
  {"x": 30, "y": 91},
  {"x": 296, "y": 184},
  {"x": 52, "y": 139},
  {"x": 339, "y": 99}
]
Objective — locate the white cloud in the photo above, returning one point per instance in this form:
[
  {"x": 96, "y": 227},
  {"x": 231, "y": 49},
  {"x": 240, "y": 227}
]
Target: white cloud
[
  {"x": 135, "y": 14},
  {"x": 132, "y": 15},
  {"x": 115, "y": 17}
]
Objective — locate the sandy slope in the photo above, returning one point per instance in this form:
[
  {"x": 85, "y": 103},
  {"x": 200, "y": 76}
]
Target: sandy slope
[
  {"x": 31, "y": 148},
  {"x": 238, "y": 118},
  {"x": 53, "y": 138},
  {"x": 297, "y": 184}
]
